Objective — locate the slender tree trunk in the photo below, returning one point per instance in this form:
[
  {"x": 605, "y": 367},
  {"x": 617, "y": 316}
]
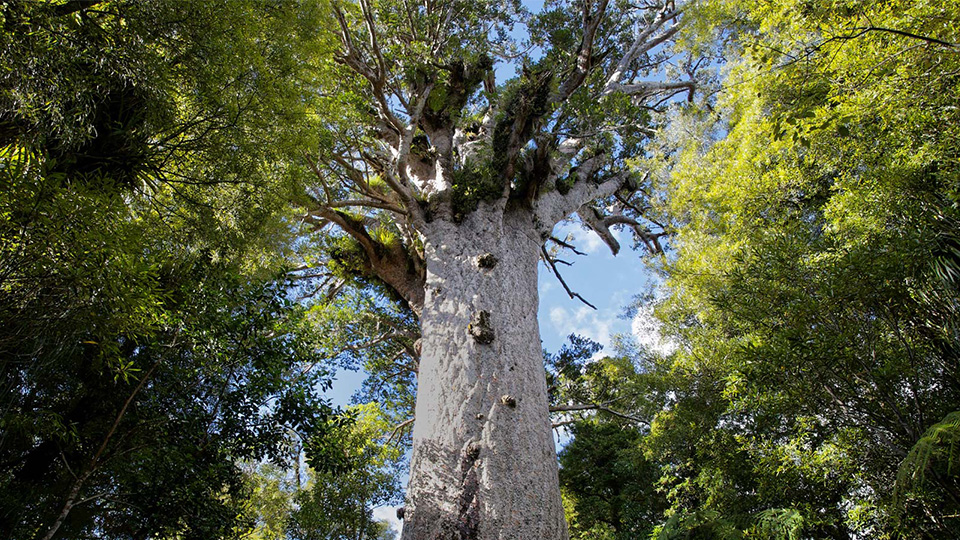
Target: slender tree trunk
[
  {"x": 484, "y": 464},
  {"x": 68, "y": 505},
  {"x": 95, "y": 460}
]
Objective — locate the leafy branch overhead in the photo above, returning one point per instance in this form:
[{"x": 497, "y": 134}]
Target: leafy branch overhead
[{"x": 427, "y": 134}]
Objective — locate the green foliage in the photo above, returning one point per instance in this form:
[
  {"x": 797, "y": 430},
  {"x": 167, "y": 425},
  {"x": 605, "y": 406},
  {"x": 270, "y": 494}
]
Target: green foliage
[
  {"x": 523, "y": 104},
  {"x": 622, "y": 384},
  {"x": 701, "y": 524},
  {"x": 812, "y": 265},
  {"x": 357, "y": 473},
  {"x": 338, "y": 502},
  {"x": 221, "y": 367},
  {"x": 147, "y": 344},
  {"x": 270, "y": 501},
  {"x": 184, "y": 102},
  {"x": 608, "y": 485},
  {"x": 927, "y": 477},
  {"x": 475, "y": 183},
  {"x": 778, "y": 524},
  {"x": 565, "y": 368},
  {"x": 939, "y": 442},
  {"x": 367, "y": 329},
  {"x": 458, "y": 81}
]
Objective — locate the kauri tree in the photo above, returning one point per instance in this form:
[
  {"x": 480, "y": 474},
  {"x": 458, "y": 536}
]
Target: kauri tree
[{"x": 442, "y": 187}]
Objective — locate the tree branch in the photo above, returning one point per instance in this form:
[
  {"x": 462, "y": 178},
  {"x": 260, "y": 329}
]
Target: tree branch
[
  {"x": 376, "y": 78},
  {"x": 554, "y": 206},
  {"x": 642, "y": 44},
  {"x": 652, "y": 241},
  {"x": 347, "y": 203},
  {"x": 591, "y": 21},
  {"x": 397, "y": 429},
  {"x": 645, "y": 89},
  {"x": 71, "y": 501},
  {"x": 592, "y": 218},
  {"x": 566, "y": 245},
  {"x": 597, "y": 407},
  {"x": 74, "y": 6},
  {"x": 553, "y": 266},
  {"x": 864, "y": 30}
]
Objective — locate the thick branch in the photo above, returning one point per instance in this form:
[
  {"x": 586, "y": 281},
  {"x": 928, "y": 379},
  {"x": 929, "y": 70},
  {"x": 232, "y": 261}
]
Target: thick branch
[
  {"x": 390, "y": 264},
  {"x": 402, "y": 184},
  {"x": 376, "y": 77},
  {"x": 591, "y": 218},
  {"x": 650, "y": 88},
  {"x": 591, "y": 21},
  {"x": 374, "y": 42},
  {"x": 642, "y": 44},
  {"x": 348, "y": 203},
  {"x": 651, "y": 36},
  {"x": 554, "y": 206},
  {"x": 651, "y": 240}
]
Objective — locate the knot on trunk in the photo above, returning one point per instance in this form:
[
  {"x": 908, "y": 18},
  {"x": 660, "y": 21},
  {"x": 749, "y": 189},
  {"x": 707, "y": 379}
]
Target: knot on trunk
[
  {"x": 486, "y": 261},
  {"x": 468, "y": 515},
  {"x": 480, "y": 327},
  {"x": 468, "y": 457},
  {"x": 509, "y": 401}
]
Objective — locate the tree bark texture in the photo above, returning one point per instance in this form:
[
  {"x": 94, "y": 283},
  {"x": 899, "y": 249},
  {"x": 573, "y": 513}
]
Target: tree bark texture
[{"x": 484, "y": 464}]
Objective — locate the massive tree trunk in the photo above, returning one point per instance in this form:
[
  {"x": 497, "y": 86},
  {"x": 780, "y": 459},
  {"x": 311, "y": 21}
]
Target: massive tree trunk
[{"x": 484, "y": 464}]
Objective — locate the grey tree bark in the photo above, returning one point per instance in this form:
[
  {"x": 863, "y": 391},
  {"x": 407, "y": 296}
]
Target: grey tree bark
[{"x": 484, "y": 464}]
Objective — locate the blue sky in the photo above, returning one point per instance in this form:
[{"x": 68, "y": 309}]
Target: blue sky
[{"x": 606, "y": 281}]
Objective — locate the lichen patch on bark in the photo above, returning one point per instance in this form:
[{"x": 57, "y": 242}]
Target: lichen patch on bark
[
  {"x": 480, "y": 327},
  {"x": 486, "y": 261}
]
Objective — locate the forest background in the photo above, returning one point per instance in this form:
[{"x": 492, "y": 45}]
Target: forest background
[{"x": 170, "y": 321}]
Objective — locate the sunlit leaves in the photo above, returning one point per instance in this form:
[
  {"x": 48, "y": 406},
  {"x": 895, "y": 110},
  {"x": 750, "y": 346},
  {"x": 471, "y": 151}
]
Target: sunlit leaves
[{"x": 805, "y": 284}]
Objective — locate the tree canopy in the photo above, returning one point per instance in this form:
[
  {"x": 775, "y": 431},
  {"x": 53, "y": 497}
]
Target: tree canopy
[
  {"x": 147, "y": 342},
  {"x": 210, "y": 206},
  {"x": 810, "y": 287}
]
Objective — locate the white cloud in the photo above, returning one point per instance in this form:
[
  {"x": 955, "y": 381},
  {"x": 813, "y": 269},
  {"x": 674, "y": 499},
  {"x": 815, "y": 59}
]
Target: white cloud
[
  {"x": 646, "y": 330},
  {"x": 584, "y": 239},
  {"x": 583, "y": 321},
  {"x": 546, "y": 286},
  {"x": 558, "y": 316},
  {"x": 591, "y": 243},
  {"x": 389, "y": 514}
]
